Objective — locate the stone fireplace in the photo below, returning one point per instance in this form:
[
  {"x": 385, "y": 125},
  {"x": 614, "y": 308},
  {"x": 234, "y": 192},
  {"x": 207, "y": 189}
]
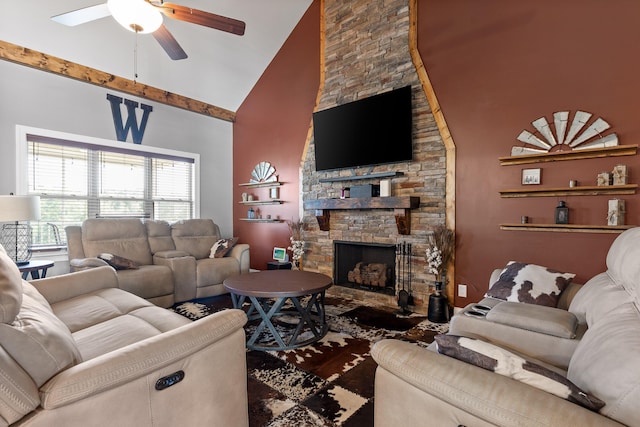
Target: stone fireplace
[{"x": 367, "y": 52}]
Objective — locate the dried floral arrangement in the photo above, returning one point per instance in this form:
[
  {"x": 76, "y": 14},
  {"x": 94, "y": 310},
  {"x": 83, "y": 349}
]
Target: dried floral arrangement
[
  {"x": 296, "y": 229},
  {"x": 440, "y": 251}
]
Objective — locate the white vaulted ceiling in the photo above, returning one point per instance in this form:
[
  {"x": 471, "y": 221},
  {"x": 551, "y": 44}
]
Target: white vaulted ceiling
[{"x": 221, "y": 68}]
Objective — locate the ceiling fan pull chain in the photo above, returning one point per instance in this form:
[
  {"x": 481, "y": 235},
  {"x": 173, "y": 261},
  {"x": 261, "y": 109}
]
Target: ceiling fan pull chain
[{"x": 135, "y": 59}]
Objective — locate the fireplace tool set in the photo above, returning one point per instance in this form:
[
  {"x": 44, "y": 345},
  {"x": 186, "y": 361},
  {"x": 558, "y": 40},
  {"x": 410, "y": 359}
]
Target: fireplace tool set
[{"x": 404, "y": 275}]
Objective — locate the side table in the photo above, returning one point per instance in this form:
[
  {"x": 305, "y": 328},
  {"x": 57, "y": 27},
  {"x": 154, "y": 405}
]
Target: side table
[
  {"x": 37, "y": 268},
  {"x": 277, "y": 265}
]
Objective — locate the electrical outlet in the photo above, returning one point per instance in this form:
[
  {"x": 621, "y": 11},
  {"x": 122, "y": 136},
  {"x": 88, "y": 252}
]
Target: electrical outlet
[{"x": 462, "y": 291}]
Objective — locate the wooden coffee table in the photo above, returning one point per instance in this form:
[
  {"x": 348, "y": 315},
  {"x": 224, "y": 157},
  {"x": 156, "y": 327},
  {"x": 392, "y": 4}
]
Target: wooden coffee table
[{"x": 268, "y": 291}]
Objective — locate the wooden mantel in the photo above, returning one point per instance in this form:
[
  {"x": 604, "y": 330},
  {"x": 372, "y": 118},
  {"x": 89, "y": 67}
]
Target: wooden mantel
[
  {"x": 401, "y": 206},
  {"x": 41, "y": 61}
]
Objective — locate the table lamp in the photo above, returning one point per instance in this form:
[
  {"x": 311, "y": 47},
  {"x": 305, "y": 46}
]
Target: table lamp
[{"x": 16, "y": 237}]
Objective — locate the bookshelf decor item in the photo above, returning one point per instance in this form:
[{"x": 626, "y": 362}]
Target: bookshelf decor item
[
  {"x": 531, "y": 176},
  {"x": 562, "y": 213},
  {"x": 619, "y": 175},
  {"x": 615, "y": 215},
  {"x": 604, "y": 179}
]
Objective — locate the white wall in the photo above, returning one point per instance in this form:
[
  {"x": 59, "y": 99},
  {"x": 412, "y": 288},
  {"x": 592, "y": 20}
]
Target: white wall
[{"x": 34, "y": 98}]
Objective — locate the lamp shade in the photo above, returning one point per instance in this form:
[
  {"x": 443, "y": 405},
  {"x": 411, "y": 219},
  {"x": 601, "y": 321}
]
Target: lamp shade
[
  {"x": 19, "y": 208},
  {"x": 135, "y": 15}
]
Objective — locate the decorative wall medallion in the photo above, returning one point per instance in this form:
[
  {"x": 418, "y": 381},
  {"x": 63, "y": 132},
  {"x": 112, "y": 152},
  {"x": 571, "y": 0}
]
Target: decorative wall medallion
[
  {"x": 575, "y": 139},
  {"x": 263, "y": 172}
]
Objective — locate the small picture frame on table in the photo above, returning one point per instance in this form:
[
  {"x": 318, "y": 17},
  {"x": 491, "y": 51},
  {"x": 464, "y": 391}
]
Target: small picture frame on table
[
  {"x": 280, "y": 254},
  {"x": 531, "y": 176}
]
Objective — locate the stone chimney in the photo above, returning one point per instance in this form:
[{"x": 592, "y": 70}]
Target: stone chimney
[{"x": 367, "y": 52}]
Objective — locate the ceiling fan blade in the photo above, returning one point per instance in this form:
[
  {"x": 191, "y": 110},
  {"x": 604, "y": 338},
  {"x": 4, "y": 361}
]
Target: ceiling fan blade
[
  {"x": 80, "y": 16},
  {"x": 168, "y": 43},
  {"x": 195, "y": 16}
]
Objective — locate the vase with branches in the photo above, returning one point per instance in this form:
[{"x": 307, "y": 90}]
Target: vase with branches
[
  {"x": 296, "y": 238},
  {"x": 439, "y": 253}
]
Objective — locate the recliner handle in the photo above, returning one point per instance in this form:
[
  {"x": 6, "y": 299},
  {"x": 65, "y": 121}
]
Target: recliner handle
[{"x": 169, "y": 380}]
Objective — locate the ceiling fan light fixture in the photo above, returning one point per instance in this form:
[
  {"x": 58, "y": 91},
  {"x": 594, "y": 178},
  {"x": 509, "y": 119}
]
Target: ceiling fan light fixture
[{"x": 135, "y": 15}]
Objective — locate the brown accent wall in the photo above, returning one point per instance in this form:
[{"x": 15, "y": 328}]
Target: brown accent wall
[
  {"x": 495, "y": 67},
  {"x": 271, "y": 125}
]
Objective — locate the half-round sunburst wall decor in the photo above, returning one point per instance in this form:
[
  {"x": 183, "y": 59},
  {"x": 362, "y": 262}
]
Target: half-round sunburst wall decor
[
  {"x": 576, "y": 138},
  {"x": 263, "y": 172}
]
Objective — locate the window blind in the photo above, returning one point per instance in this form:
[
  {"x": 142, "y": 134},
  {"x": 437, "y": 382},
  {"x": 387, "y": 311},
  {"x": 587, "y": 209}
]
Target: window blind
[{"x": 78, "y": 180}]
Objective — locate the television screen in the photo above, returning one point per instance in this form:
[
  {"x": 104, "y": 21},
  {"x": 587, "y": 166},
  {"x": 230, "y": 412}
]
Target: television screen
[{"x": 370, "y": 131}]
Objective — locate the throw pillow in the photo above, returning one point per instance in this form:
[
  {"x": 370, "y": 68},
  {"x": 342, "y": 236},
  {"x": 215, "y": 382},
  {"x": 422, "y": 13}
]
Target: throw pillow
[
  {"x": 503, "y": 362},
  {"x": 222, "y": 247},
  {"x": 118, "y": 262},
  {"x": 530, "y": 283}
]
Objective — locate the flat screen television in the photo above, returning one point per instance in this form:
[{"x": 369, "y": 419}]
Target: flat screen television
[{"x": 370, "y": 131}]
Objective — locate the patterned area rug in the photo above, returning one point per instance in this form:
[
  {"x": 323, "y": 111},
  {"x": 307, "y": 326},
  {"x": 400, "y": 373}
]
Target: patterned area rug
[{"x": 328, "y": 383}]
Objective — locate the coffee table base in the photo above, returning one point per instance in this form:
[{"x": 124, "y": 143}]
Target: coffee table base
[{"x": 311, "y": 319}]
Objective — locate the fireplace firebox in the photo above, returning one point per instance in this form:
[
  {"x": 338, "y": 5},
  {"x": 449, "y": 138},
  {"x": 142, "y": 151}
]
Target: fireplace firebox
[{"x": 368, "y": 266}]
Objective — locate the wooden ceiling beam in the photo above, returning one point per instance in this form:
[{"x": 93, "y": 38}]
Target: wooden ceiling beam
[{"x": 41, "y": 61}]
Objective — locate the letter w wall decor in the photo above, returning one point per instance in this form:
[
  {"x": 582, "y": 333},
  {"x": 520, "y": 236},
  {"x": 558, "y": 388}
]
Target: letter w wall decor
[{"x": 137, "y": 132}]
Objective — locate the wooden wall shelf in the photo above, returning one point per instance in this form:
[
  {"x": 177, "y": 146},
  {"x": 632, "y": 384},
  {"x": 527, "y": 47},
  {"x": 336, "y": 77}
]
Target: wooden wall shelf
[
  {"x": 262, "y": 202},
  {"x": 260, "y": 184},
  {"x": 402, "y": 202},
  {"x": 401, "y": 205},
  {"x": 567, "y": 228},
  {"x": 361, "y": 177},
  {"x": 569, "y": 191},
  {"x": 618, "y": 150}
]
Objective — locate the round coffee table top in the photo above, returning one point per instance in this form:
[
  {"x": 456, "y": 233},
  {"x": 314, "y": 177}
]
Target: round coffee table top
[{"x": 278, "y": 283}]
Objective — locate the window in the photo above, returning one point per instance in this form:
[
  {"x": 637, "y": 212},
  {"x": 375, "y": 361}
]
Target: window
[{"x": 78, "y": 179}]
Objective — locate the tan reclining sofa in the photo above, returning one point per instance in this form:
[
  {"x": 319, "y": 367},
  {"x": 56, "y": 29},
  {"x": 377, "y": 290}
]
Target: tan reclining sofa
[
  {"x": 599, "y": 353},
  {"x": 173, "y": 259},
  {"x": 75, "y": 350}
]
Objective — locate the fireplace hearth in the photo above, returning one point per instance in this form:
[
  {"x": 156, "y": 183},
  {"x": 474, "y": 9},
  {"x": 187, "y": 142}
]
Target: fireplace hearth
[{"x": 367, "y": 266}]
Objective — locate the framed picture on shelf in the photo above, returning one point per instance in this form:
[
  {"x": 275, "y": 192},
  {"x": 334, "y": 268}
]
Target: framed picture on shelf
[{"x": 531, "y": 176}]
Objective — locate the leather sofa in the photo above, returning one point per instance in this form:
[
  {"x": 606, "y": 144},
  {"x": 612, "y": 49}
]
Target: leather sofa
[
  {"x": 75, "y": 350},
  {"x": 547, "y": 334},
  {"x": 414, "y": 384},
  {"x": 173, "y": 259}
]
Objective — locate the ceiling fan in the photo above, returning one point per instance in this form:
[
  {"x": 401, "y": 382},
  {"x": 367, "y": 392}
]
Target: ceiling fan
[{"x": 145, "y": 16}]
